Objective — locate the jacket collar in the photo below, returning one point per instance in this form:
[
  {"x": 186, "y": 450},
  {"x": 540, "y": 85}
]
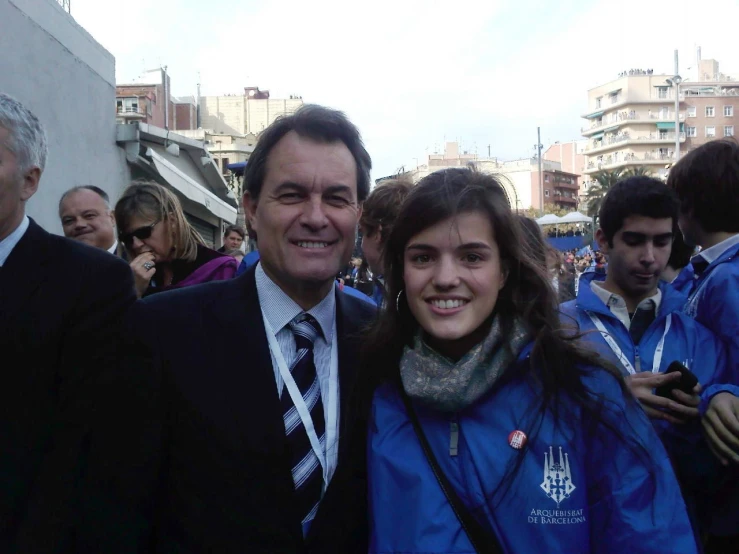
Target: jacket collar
[{"x": 672, "y": 299}]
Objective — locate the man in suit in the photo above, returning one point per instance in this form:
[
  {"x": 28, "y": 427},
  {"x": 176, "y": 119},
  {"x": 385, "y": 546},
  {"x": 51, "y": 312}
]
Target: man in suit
[
  {"x": 256, "y": 438},
  {"x": 61, "y": 305},
  {"x": 87, "y": 217}
]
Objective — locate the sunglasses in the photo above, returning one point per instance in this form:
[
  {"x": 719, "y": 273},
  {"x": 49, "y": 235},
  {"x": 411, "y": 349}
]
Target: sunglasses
[{"x": 142, "y": 233}]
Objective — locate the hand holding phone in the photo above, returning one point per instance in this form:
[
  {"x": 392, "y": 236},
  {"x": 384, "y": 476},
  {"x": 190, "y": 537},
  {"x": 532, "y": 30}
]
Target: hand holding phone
[{"x": 686, "y": 383}]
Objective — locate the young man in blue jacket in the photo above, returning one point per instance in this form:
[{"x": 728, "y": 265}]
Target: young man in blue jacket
[
  {"x": 706, "y": 181},
  {"x": 635, "y": 320}
]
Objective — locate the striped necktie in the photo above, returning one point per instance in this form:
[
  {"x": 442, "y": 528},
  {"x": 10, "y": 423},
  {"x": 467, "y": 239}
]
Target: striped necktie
[{"x": 307, "y": 472}]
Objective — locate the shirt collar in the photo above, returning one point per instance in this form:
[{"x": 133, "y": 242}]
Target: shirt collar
[
  {"x": 279, "y": 309},
  {"x": 10, "y": 242},
  {"x": 612, "y": 299},
  {"x": 714, "y": 252},
  {"x": 113, "y": 248}
]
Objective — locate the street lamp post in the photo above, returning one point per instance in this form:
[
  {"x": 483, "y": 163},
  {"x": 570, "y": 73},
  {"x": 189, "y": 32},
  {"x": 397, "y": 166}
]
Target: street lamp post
[
  {"x": 675, "y": 81},
  {"x": 541, "y": 176}
]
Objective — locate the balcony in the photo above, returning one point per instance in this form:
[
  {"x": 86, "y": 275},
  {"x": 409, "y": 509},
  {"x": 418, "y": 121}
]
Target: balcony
[
  {"x": 631, "y": 117},
  {"x": 130, "y": 112},
  {"x": 624, "y": 139},
  {"x": 655, "y": 157},
  {"x": 655, "y": 98}
]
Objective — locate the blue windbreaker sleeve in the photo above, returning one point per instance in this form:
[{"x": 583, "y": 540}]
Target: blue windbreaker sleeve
[
  {"x": 712, "y": 391},
  {"x": 636, "y": 505},
  {"x": 721, "y": 314}
]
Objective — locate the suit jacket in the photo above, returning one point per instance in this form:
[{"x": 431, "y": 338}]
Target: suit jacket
[
  {"x": 61, "y": 306},
  {"x": 224, "y": 482}
]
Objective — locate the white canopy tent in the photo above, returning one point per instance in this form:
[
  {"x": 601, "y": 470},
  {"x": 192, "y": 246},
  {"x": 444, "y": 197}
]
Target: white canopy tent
[
  {"x": 575, "y": 217},
  {"x": 549, "y": 219}
]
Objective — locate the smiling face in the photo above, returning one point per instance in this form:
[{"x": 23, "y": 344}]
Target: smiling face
[
  {"x": 86, "y": 218},
  {"x": 306, "y": 215},
  {"x": 453, "y": 274},
  {"x": 639, "y": 255}
]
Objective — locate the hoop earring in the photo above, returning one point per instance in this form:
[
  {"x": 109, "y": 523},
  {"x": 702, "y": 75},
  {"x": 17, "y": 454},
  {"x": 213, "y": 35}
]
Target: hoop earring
[{"x": 397, "y": 301}]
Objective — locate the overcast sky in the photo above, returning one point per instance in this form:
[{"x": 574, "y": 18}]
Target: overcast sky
[{"x": 411, "y": 74}]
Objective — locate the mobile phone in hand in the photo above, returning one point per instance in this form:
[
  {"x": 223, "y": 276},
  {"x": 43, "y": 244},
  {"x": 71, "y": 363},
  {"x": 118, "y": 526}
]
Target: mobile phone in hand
[{"x": 686, "y": 383}]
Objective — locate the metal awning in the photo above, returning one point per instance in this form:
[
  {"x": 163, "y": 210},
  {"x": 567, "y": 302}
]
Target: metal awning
[
  {"x": 668, "y": 125},
  {"x": 190, "y": 188},
  {"x": 594, "y": 115},
  {"x": 611, "y": 128},
  {"x": 598, "y": 136}
]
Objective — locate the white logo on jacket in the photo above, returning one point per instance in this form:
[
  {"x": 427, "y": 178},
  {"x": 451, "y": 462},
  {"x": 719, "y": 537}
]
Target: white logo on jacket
[{"x": 557, "y": 483}]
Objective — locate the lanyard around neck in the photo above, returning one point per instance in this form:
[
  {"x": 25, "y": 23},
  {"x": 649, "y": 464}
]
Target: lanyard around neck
[
  {"x": 617, "y": 349},
  {"x": 297, "y": 398}
]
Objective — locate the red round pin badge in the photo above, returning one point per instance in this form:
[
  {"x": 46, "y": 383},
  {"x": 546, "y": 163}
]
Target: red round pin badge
[{"x": 517, "y": 439}]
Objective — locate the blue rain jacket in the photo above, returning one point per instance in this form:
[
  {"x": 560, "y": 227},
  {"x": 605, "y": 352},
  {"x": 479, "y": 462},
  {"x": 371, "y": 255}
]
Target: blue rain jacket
[
  {"x": 686, "y": 341},
  {"x": 714, "y": 302},
  {"x": 574, "y": 491}
]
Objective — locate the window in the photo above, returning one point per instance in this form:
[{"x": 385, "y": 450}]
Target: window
[
  {"x": 225, "y": 163},
  {"x": 728, "y": 130},
  {"x": 710, "y": 112},
  {"x": 728, "y": 111},
  {"x": 691, "y": 111},
  {"x": 691, "y": 132},
  {"x": 710, "y": 132},
  {"x": 598, "y": 102},
  {"x": 546, "y": 193},
  {"x": 662, "y": 92},
  {"x": 546, "y": 178}
]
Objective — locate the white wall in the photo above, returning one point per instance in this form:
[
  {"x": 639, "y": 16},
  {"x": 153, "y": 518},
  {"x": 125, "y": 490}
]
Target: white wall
[{"x": 57, "y": 70}]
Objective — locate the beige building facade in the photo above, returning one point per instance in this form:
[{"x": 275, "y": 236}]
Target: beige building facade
[
  {"x": 520, "y": 178},
  {"x": 241, "y": 114},
  {"x": 631, "y": 120},
  {"x": 631, "y": 123}
]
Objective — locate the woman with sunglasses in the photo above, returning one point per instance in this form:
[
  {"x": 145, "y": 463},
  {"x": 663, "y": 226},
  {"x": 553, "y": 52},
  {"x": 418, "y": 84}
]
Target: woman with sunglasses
[
  {"x": 489, "y": 430},
  {"x": 166, "y": 251}
]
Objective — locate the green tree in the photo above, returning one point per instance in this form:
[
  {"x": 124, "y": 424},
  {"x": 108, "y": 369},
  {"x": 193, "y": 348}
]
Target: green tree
[{"x": 604, "y": 180}]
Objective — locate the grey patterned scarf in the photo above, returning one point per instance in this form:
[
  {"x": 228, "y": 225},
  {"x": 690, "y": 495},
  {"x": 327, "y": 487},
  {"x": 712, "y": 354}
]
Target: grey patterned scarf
[{"x": 447, "y": 386}]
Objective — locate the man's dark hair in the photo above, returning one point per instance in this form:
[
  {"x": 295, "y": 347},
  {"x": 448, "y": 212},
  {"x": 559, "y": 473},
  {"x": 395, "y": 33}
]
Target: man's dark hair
[
  {"x": 706, "y": 181},
  {"x": 382, "y": 206},
  {"x": 319, "y": 124},
  {"x": 97, "y": 190},
  {"x": 235, "y": 229},
  {"x": 639, "y": 195},
  {"x": 681, "y": 251}
]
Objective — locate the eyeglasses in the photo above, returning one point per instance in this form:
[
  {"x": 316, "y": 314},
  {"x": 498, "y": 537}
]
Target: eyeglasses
[{"x": 142, "y": 233}]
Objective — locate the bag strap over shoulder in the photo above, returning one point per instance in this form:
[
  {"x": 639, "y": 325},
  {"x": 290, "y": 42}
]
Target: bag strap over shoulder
[{"x": 482, "y": 540}]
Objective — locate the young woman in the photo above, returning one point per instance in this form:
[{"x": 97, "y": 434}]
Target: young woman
[
  {"x": 542, "y": 446},
  {"x": 166, "y": 252}
]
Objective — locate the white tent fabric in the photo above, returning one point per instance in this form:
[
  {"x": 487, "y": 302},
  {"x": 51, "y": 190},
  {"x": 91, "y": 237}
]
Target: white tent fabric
[
  {"x": 575, "y": 217},
  {"x": 549, "y": 219}
]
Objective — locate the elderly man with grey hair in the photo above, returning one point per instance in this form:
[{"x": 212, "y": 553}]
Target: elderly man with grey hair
[{"x": 61, "y": 307}]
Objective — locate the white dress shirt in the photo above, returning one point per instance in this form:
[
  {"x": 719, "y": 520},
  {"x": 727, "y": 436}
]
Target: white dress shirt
[
  {"x": 10, "y": 242},
  {"x": 278, "y": 309},
  {"x": 113, "y": 248},
  {"x": 617, "y": 305},
  {"x": 713, "y": 253}
]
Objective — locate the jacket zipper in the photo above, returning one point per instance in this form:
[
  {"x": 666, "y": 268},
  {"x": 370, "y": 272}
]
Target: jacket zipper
[
  {"x": 453, "y": 436},
  {"x": 637, "y": 359}
]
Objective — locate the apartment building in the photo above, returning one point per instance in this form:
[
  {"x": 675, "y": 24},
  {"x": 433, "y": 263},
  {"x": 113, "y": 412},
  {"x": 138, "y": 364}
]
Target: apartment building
[
  {"x": 631, "y": 123},
  {"x": 147, "y": 99},
  {"x": 241, "y": 114},
  {"x": 631, "y": 120},
  {"x": 711, "y": 105}
]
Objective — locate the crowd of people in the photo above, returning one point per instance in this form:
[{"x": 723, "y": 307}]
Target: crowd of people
[{"x": 460, "y": 387}]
